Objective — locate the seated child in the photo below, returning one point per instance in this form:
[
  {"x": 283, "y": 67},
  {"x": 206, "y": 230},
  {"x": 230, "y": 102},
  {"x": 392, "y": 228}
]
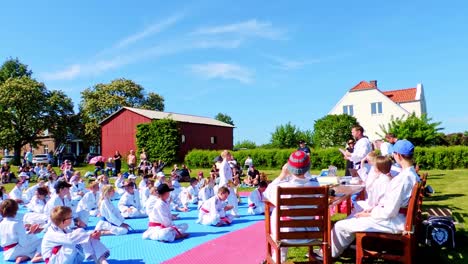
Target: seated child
[
  {"x": 111, "y": 222},
  {"x": 89, "y": 202},
  {"x": 31, "y": 191},
  {"x": 160, "y": 226},
  {"x": 233, "y": 198},
  {"x": 213, "y": 210},
  {"x": 61, "y": 245},
  {"x": 17, "y": 192},
  {"x": 255, "y": 201},
  {"x": 36, "y": 208},
  {"x": 190, "y": 194},
  {"x": 130, "y": 203},
  {"x": 18, "y": 245},
  {"x": 78, "y": 188},
  {"x": 119, "y": 182},
  {"x": 206, "y": 191},
  {"x": 376, "y": 186}
]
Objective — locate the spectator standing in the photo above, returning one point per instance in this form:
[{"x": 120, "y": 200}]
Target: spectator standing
[
  {"x": 349, "y": 163},
  {"x": 248, "y": 162},
  {"x": 362, "y": 147},
  {"x": 392, "y": 139},
  {"x": 131, "y": 161},
  {"x": 117, "y": 162},
  {"x": 303, "y": 147}
]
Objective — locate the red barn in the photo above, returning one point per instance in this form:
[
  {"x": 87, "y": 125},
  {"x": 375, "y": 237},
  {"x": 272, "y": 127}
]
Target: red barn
[{"x": 118, "y": 131}]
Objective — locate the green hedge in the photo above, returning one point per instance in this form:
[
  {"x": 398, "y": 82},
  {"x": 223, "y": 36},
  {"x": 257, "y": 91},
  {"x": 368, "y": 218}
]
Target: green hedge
[{"x": 427, "y": 158}]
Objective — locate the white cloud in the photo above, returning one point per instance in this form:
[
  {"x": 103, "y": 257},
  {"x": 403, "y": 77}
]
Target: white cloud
[
  {"x": 69, "y": 73},
  {"x": 148, "y": 31},
  {"x": 289, "y": 64},
  {"x": 223, "y": 44},
  {"x": 247, "y": 28},
  {"x": 223, "y": 71}
]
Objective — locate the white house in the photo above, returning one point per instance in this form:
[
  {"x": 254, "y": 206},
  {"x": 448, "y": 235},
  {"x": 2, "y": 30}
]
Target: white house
[{"x": 373, "y": 107}]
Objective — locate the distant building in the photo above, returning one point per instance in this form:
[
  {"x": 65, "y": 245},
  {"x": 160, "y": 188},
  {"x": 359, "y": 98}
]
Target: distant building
[
  {"x": 373, "y": 107},
  {"x": 118, "y": 131}
]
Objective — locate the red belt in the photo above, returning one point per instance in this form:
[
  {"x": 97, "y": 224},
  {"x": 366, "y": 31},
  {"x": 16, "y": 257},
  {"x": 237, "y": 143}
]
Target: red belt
[
  {"x": 55, "y": 250},
  {"x": 153, "y": 224},
  {"x": 252, "y": 205},
  {"x": 403, "y": 210},
  {"x": 225, "y": 219},
  {"x": 5, "y": 248},
  {"x": 204, "y": 210}
]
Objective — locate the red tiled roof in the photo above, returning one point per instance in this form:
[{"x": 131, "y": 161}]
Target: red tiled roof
[
  {"x": 363, "y": 85},
  {"x": 402, "y": 95}
]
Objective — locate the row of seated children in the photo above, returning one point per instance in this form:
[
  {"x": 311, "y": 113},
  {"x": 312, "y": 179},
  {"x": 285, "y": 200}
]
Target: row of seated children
[{"x": 60, "y": 244}]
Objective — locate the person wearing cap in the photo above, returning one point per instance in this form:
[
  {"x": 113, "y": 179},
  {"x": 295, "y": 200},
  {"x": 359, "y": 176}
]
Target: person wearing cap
[
  {"x": 159, "y": 179},
  {"x": 130, "y": 204},
  {"x": 389, "y": 216},
  {"x": 24, "y": 177},
  {"x": 213, "y": 210},
  {"x": 303, "y": 147},
  {"x": 362, "y": 147},
  {"x": 161, "y": 226},
  {"x": 293, "y": 174}
]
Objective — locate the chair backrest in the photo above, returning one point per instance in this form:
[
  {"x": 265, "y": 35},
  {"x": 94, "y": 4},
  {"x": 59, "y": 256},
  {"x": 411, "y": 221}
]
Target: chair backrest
[
  {"x": 302, "y": 213},
  {"x": 413, "y": 206}
]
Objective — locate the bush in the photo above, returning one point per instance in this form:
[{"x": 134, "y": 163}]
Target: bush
[{"x": 427, "y": 158}]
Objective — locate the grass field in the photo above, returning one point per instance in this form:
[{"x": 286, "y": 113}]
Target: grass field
[{"x": 451, "y": 190}]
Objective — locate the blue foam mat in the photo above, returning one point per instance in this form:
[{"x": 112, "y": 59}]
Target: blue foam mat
[{"x": 131, "y": 248}]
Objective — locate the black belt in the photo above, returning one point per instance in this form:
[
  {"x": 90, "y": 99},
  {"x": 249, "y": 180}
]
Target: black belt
[{"x": 358, "y": 163}]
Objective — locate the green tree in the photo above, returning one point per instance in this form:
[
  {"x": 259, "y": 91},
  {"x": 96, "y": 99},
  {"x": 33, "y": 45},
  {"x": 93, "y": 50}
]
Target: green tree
[
  {"x": 160, "y": 139},
  {"x": 13, "y": 68},
  {"x": 224, "y": 118},
  {"x": 333, "y": 130},
  {"x": 28, "y": 109},
  {"x": 288, "y": 136},
  {"x": 101, "y": 100},
  {"x": 245, "y": 144},
  {"x": 421, "y": 131}
]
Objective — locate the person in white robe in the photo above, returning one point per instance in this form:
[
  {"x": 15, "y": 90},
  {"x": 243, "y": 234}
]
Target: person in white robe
[
  {"x": 206, "y": 191},
  {"x": 213, "y": 210},
  {"x": 130, "y": 204},
  {"x": 161, "y": 226},
  {"x": 89, "y": 202},
  {"x": 18, "y": 244},
  {"x": 111, "y": 221},
  {"x": 62, "y": 245},
  {"x": 78, "y": 188},
  {"x": 255, "y": 200},
  {"x": 225, "y": 171},
  {"x": 387, "y": 216},
  {"x": 293, "y": 174},
  {"x": 31, "y": 191},
  {"x": 119, "y": 186},
  {"x": 233, "y": 199},
  {"x": 16, "y": 193},
  {"x": 36, "y": 206}
]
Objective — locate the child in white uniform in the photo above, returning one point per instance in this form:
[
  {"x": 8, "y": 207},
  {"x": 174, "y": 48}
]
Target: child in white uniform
[
  {"x": 89, "y": 202},
  {"x": 233, "y": 199},
  {"x": 213, "y": 210},
  {"x": 18, "y": 245},
  {"x": 129, "y": 203},
  {"x": 36, "y": 214},
  {"x": 161, "y": 226},
  {"x": 206, "y": 191},
  {"x": 61, "y": 245},
  {"x": 111, "y": 222},
  {"x": 255, "y": 201}
]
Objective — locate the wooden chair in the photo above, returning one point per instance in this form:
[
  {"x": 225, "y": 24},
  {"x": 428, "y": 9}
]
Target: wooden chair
[
  {"x": 298, "y": 208},
  {"x": 395, "y": 247}
]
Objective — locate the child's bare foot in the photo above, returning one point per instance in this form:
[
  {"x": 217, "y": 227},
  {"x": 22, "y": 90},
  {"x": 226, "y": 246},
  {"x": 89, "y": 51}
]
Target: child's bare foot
[
  {"x": 21, "y": 259},
  {"x": 37, "y": 258}
]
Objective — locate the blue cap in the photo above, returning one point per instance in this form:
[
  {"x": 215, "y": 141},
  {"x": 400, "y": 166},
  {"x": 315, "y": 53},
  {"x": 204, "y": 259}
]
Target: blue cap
[{"x": 403, "y": 147}]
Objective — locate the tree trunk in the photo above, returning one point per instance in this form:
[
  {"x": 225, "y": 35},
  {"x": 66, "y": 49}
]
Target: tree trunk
[{"x": 17, "y": 159}]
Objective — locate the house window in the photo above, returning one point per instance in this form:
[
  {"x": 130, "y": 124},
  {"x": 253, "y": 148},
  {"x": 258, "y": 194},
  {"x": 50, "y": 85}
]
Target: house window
[
  {"x": 376, "y": 108},
  {"x": 183, "y": 138},
  {"x": 213, "y": 140},
  {"x": 348, "y": 110},
  {"x": 46, "y": 149}
]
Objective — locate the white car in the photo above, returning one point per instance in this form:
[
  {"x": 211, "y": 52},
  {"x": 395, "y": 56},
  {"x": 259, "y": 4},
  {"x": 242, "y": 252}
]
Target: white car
[
  {"x": 40, "y": 158},
  {"x": 7, "y": 159}
]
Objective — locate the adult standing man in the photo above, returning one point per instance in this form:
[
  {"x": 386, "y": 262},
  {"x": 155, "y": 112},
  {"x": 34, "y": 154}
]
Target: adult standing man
[
  {"x": 303, "y": 147},
  {"x": 392, "y": 139},
  {"x": 362, "y": 147},
  {"x": 131, "y": 162}
]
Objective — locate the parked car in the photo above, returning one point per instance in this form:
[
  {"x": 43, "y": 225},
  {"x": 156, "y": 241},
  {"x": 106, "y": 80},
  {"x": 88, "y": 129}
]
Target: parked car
[
  {"x": 7, "y": 159},
  {"x": 69, "y": 156},
  {"x": 40, "y": 158}
]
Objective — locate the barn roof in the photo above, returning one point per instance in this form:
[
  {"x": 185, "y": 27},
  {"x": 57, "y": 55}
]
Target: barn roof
[{"x": 152, "y": 114}]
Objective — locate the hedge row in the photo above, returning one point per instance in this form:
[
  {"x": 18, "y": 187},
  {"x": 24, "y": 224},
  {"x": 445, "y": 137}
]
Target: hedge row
[{"x": 427, "y": 158}]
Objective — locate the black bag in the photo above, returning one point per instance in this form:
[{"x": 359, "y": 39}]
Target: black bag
[{"x": 440, "y": 231}]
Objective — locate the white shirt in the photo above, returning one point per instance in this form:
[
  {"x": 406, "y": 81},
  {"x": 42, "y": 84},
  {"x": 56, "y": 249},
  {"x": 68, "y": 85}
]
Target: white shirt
[
  {"x": 129, "y": 200},
  {"x": 361, "y": 149},
  {"x": 225, "y": 173},
  {"x": 110, "y": 213}
]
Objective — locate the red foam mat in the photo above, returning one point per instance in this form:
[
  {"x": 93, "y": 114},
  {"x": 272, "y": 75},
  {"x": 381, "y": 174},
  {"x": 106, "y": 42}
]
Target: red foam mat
[{"x": 241, "y": 246}]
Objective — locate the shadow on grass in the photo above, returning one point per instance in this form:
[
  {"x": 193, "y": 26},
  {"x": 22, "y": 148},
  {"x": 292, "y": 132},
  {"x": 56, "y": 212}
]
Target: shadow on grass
[{"x": 443, "y": 197}]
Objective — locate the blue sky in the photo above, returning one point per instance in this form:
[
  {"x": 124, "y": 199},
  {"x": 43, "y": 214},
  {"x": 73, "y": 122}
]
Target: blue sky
[{"x": 263, "y": 63}]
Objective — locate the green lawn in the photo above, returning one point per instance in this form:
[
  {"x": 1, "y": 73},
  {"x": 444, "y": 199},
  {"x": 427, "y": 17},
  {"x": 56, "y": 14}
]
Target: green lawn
[{"x": 451, "y": 188}]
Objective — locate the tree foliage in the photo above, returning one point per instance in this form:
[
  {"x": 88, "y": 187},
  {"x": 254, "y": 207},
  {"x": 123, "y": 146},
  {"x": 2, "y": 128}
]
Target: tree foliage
[
  {"x": 13, "y": 68},
  {"x": 333, "y": 130},
  {"x": 28, "y": 109},
  {"x": 102, "y": 100},
  {"x": 160, "y": 139},
  {"x": 245, "y": 144},
  {"x": 288, "y": 136},
  {"x": 224, "y": 118},
  {"x": 419, "y": 130}
]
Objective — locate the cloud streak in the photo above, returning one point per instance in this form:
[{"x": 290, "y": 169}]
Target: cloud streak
[
  {"x": 226, "y": 71},
  {"x": 290, "y": 64},
  {"x": 249, "y": 28}
]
